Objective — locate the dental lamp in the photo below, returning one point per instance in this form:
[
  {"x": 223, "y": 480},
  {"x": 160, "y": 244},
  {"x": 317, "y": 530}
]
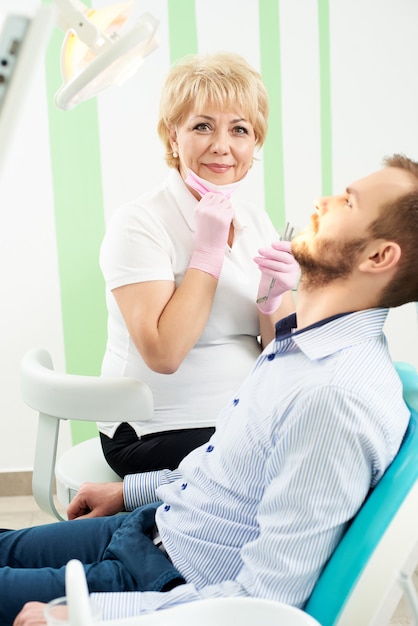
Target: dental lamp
[{"x": 97, "y": 52}]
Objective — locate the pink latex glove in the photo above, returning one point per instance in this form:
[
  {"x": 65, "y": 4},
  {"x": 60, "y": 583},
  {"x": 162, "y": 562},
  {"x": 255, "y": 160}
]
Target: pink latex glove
[
  {"x": 213, "y": 216},
  {"x": 279, "y": 273}
]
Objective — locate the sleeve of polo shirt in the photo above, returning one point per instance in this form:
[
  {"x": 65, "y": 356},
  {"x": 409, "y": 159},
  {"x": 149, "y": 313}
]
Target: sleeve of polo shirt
[
  {"x": 140, "y": 489},
  {"x": 135, "y": 248}
]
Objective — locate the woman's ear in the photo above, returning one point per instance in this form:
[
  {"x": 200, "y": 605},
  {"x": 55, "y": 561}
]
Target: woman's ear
[
  {"x": 173, "y": 138},
  {"x": 383, "y": 256}
]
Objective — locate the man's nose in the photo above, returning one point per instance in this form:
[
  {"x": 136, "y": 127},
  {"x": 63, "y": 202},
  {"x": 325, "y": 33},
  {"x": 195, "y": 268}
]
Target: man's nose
[
  {"x": 327, "y": 203},
  {"x": 320, "y": 205}
]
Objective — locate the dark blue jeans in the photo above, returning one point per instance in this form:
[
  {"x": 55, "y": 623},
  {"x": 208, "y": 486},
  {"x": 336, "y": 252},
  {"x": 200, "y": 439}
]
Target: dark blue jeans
[{"x": 117, "y": 553}]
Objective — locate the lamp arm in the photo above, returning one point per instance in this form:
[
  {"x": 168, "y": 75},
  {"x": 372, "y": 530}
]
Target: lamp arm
[{"x": 72, "y": 15}]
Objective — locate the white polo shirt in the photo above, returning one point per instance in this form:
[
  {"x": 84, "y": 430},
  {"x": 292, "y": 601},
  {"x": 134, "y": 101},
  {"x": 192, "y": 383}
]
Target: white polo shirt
[{"x": 152, "y": 239}]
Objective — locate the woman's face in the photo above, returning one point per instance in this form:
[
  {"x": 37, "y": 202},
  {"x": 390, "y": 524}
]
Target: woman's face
[{"x": 217, "y": 145}]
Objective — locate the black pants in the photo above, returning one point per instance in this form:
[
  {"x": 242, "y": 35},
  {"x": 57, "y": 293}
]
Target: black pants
[{"x": 126, "y": 454}]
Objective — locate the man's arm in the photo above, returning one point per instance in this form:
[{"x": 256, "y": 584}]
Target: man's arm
[{"x": 102, "y": 499}]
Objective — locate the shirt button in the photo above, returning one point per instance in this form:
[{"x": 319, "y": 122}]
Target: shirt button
[
  {"x": 167, "y": 507},
  {"x": 209, "y": 449},
  {"x": 236, "y": 400},
  {"x": 271, "y": 357},
  {"x": 183, "y": 487}
]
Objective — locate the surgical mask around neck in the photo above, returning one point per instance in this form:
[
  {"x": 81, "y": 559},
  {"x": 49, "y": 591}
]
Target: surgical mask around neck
[{"x": 203, "y": 186}]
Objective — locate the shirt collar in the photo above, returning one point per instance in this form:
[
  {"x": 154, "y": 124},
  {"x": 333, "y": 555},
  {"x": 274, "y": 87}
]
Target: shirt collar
[
  {"x": 333, "y": 333},
  {"x": 183, "y": 198},
  {"x": 287, "y": 325}
]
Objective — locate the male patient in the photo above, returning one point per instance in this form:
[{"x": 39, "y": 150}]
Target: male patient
[{"x": 259, "y": 509}]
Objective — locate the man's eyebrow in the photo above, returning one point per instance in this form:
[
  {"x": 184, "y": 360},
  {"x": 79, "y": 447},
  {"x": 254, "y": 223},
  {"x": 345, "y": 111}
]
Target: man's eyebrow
[{"x": 352, "y": 192}]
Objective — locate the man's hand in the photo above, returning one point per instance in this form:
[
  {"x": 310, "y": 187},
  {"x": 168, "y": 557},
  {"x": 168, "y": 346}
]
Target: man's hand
[
  {"x": 97, "y": 500},
  {"x": 32, "y": 614}
]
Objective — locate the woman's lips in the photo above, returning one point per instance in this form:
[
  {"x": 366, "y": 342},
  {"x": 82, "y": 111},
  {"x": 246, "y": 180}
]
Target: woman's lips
[{"x": 218, "y": 168}]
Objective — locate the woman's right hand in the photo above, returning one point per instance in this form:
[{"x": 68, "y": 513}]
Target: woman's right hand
[
  {"x": 213, "y": 217},
  {"x": 164, "y": 320},
  {"x": 96, "y": 500}
]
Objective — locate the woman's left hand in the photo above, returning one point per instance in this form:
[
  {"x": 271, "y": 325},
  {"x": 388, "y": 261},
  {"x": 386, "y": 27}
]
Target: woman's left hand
[{"x": 279, "y": 273}]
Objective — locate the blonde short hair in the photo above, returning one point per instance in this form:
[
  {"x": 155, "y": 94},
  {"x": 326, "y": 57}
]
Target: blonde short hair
[{"x": 223, "y": 80}]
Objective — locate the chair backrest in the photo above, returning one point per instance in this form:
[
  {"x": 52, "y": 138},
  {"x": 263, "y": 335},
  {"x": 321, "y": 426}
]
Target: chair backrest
[
  {"x": 57, "y": 396},
  {"x": 362, "y": 572}
]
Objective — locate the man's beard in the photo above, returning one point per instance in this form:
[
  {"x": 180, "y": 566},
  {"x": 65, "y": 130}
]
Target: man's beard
[{"x": 327, "y": 260}]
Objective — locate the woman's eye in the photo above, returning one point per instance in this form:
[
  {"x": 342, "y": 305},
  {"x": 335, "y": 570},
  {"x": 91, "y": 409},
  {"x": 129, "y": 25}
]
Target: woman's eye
[
  {"x": 202, "y": 126},
  {"x": 348, "y": 203},
  {"x": 240, "y": 130}
]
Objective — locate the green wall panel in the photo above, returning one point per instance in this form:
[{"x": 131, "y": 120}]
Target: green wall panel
[{"x": 79, "y": 220}]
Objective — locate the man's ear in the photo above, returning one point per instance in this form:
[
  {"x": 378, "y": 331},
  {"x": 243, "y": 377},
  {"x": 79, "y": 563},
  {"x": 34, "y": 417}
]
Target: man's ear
[{"x": 381, "y": 257}]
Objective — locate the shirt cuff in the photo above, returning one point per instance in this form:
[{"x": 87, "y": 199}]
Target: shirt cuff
[
  {"x": 140, "y": 489},
  {"x": 117, "y": 605}
]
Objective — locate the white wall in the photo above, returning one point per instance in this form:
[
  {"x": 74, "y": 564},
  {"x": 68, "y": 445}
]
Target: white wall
[{"x": 374, "y": 98}]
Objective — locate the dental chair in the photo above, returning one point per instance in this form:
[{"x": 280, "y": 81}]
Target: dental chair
[{"x": 57, "y": 396}]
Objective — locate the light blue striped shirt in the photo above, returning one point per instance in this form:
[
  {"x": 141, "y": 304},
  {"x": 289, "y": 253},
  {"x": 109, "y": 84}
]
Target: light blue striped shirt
[{"x": 259, "y": 509}]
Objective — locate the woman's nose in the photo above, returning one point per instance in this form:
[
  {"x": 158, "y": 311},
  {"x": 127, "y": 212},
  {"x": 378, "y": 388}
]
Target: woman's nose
[{"x": 220, "y": 143}]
